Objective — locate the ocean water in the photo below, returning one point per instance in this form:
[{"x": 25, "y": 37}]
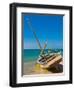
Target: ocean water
[{"x": 29, "y": 55}]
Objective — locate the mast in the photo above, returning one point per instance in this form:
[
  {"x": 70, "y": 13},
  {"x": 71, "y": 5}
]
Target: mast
[
  {"x": 29, "y": 23},
  {"x": 42, "y": 51}
]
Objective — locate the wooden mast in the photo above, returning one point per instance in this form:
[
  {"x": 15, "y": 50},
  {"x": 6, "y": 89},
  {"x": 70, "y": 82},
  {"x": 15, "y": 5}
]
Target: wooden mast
[{"x": 29, "y": 23}]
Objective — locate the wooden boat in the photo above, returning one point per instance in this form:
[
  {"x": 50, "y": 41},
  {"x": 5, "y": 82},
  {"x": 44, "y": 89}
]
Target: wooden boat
[{"x": 49, "y": 63}]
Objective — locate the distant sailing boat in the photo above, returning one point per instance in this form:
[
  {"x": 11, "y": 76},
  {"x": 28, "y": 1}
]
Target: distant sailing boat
[{"x": 45, "y": 60}]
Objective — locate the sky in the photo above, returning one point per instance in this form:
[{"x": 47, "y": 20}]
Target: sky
[{"x": 48, "y": 28}]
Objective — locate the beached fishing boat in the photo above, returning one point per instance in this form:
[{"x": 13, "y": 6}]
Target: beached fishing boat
[
  {"x": 51, "y": 61},
  {"x": 46, "y": 60}
]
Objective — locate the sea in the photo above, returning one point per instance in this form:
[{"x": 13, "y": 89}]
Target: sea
[{"x": 29, "y": 55}]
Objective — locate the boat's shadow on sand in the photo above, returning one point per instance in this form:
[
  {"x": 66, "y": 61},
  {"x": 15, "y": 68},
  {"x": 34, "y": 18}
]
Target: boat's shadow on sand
[{"x": 56, "y": 69}]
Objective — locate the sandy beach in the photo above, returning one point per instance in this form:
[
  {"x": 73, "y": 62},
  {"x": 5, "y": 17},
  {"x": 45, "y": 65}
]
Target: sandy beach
[{"x": 30, "y": 68}]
